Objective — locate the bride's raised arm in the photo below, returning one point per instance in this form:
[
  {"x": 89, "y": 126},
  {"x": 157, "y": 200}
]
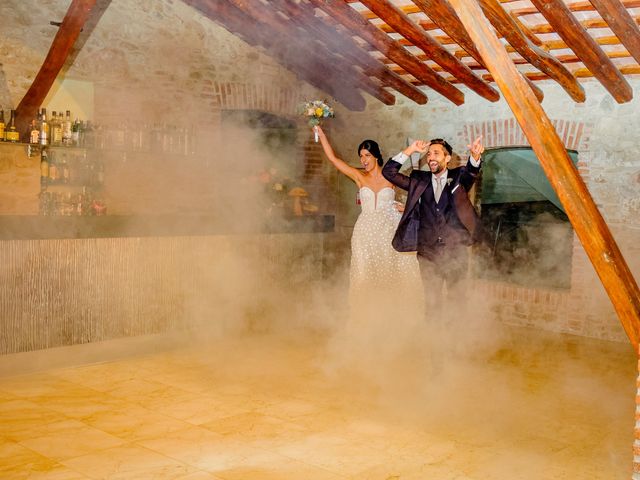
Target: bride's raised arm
[{"x": 342, "y": 166}]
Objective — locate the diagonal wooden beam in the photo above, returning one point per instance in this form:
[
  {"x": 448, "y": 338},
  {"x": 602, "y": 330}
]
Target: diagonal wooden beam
[
  {"x": 389, "y": 47},
  {"x": 540, "y": 59},
  {"x": 574, "y": 7},
  {"x": 621, "y": 23},
  {"x": 585, "y": 47},
  {"x": 447, "y": 20},
  {"x": 339, "y": 42},
  {"x": 265, "y": 16},
  {"x": 62, "y": 46},
  {"x": 398, "y": 20},
  {"x": 238, "y": 23},
  {"x": 587, "y": 222}
]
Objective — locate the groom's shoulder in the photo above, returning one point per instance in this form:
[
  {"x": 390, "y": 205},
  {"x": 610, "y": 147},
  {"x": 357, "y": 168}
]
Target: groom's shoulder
[{"x": 420, "y": 174}]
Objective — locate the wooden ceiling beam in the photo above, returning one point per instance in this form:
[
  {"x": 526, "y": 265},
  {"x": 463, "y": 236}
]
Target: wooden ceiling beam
[
  {"x": 421, "y": 39},
  {"x": 337, "y": 41},
  {"x": 621, "y": 24},
  {"x": 540, "y": 59},
  {"x": 445, "y": 17},
  {"x": 585, "y": 47},
  {"x": 590, "y": 24},
  {"x": 565, "y": 179},
  {"x": 62, "y": 46},
  {"x": 390, "y": 48},
  {"x": 262, "y": 14},
  {"x": 238, "y": 23},
  {"x": 574, "y": 7}
]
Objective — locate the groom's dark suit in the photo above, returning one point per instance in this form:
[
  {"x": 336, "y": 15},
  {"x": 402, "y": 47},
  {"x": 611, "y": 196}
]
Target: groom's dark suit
[{"x": 437, "y": 231}]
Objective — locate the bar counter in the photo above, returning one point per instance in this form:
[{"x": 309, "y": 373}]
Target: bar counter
[{"x": 36, "y": 227}]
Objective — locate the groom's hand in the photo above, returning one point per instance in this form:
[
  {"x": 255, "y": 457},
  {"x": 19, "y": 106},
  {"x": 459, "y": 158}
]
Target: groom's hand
[
  {"x": 418, "y": 146},
  {"x": 476, "y": 148}
]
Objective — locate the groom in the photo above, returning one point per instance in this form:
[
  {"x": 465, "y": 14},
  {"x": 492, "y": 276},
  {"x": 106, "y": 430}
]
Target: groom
[{"x": 439, "y": 221}]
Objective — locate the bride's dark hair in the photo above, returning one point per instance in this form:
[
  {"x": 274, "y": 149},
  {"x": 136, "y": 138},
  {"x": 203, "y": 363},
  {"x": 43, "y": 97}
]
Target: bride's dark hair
[{"x": 373, "y": 148}]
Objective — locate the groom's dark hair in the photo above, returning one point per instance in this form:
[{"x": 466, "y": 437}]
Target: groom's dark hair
[
  {"x": 445, "y": 145},
  {"x": 373, "y": 148}
]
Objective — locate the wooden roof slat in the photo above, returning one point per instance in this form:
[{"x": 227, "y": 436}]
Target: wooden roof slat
[
  {"x": 238, "y": 22},
  {"x": 261, "y": 14},
  {"x": 621, "y": 23},
  {"x": 77, "y": 15},
  {"x": 590, "y": 24},
  {"x": 392, "y": 49},
  {"x": 421, "y": 39},
  {"x": 565, "y": 179},
  {"x": 540, "y": 59},
  {"x": 585, "y": 47},
  {"x": 573, "y": 7},
  {"x": 440, "y": 11},
  {"x": 303, "y": 15}
]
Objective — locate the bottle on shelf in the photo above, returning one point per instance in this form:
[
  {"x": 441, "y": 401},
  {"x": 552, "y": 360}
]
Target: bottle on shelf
[
  {"x": 44, "y": 128},
  {"x": 56, "y": 129},
  {"x": 75, "y": 132},
  {"x": 54, "y": 174},
  {"x": 44, "y": 169},
  {"x": 2, "y": 125},
  {"x": 34, "y": 132},
  {"x": 63, "y": 167},
  {"x": 66, "y": 129},
  {"x": 11, "y": 133}
]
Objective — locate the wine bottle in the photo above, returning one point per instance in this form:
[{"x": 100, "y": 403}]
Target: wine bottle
[
  {"x": 11, "y": 133},
  {"x": 56, "y": 129},
  {"x": 66, "y": 129},
  {"x": 2, "y": 125},
  {"x": 44, "y": 128},
  {"x": 44, "y": 169}
]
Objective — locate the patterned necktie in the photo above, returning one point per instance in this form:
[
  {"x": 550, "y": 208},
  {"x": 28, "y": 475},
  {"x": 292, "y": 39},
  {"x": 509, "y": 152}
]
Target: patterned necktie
[{"x": 439, "y": 182}]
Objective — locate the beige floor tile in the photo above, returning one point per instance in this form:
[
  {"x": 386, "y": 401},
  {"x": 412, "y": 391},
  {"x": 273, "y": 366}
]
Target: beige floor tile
[
  {"x": 18, "y": 462},
  {"x": 23, "y": 418},
  {"x": 134, "y": 423},
  {"x": 71, "y": 439},
  {"x": 36, "y": 385},
  {"x": 130, "y": 462},
  {"x": 203, "y": 449}
]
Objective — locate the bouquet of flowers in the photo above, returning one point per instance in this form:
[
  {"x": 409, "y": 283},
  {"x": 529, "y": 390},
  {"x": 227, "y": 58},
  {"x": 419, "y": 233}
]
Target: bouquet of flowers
[{"x": 315, "y": 111}]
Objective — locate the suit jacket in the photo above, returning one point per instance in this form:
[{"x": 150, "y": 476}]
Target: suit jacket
[{"x": 426, "y": 225}]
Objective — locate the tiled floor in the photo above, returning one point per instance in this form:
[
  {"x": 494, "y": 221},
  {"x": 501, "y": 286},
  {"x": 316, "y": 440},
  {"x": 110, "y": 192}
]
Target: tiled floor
[{"x": 538, "y": 406}]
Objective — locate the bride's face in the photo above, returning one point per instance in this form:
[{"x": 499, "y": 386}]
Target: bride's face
[{"x": 368, "y": 161}]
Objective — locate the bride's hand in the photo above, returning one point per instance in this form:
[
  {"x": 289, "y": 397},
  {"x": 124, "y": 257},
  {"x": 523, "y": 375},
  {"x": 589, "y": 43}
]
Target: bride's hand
[{"x": 319, "y": 131}]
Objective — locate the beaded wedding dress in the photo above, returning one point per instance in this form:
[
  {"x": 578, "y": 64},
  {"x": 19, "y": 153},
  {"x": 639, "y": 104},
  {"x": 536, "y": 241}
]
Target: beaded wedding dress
[{"x": 377, "y": 270}]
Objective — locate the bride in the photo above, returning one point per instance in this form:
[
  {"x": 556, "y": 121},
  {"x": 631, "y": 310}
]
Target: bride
[{"x": 375, "y": 265}]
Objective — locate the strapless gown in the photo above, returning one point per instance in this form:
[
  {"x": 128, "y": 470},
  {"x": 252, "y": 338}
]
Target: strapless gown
[{"x": 378, "y": 271}]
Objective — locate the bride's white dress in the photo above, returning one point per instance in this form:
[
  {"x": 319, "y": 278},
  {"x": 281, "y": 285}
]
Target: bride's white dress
[{"x": 378, "y": 271}]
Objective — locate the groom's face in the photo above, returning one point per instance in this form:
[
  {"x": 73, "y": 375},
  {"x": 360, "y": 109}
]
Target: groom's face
[{"x": 437, "y": 158}]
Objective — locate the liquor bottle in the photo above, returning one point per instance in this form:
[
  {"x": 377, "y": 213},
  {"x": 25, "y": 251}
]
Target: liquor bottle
[
  {"x": 54, "y": 173},
  {"x": 2, "y": 125},
  {"x": 56, "y": 129},
  {"x": 44, "y": 169},
  {"x": 66, "y": 129},
  {"x": 64, "y": 171},
  {"x": 44, "y": 128},
  {"x": 75, "y": 133},
  {"x": 89, "y": 136},
  {"x": 34, "y": 132},
  {"x": 11, "y": 134}
]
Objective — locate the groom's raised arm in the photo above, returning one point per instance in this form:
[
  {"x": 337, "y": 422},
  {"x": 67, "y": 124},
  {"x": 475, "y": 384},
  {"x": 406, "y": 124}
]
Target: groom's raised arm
[
  {"x": 471, "y": 170},
  {"x": 391, "y": 170}
]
